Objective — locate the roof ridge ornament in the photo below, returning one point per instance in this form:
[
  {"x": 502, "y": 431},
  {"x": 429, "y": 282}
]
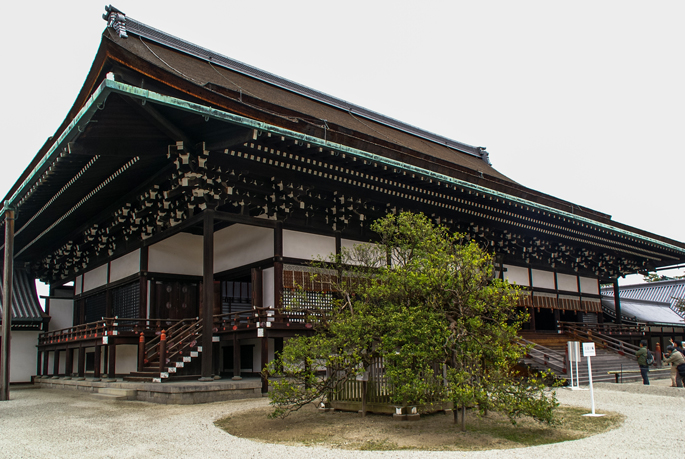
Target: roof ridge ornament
[
  {"x": 116, "y": 20},
  {"x": 484, "y": 155}
]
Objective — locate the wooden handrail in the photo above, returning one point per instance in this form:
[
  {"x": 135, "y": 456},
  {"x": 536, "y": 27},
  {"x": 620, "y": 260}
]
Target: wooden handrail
[
  {"x": 607, "y": 342},
  {"x": 545, "y": 356}
]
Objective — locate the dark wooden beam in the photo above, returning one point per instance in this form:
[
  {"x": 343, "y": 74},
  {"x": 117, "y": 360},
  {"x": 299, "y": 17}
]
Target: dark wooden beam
[
  {"x": 229, "y": 138},
  {"x": 153, "y": 115},
  {"x": 245, "y": 220}
]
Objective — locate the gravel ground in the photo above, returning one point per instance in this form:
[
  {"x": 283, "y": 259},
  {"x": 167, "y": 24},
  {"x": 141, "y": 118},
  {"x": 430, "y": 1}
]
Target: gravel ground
[{"x": 63, "y": 424}]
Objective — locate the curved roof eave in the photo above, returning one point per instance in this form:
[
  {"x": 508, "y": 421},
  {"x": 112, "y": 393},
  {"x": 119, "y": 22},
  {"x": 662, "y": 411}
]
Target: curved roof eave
[{"x": 109, "y": 86}]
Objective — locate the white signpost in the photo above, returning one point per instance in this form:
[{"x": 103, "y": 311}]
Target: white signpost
[
  {"x": 574, "y": 357},
  {"x": 589, "y": 351}
]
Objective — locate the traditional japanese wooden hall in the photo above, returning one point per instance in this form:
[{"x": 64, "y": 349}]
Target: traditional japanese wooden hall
[{"x": 188, "y": 192}]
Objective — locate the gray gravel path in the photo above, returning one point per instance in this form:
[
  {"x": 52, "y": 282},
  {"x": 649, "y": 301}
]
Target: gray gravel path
[{"x": 39, "y": 423}]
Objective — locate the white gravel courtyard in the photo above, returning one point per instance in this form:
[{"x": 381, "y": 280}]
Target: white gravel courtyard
[{"x": 43, "y": 423}]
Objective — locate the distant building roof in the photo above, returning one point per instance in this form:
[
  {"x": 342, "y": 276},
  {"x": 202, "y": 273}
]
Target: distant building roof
[
  {"x": 645, "y": 311},
  {"x": 669, "y": 291},
  {"x": 26, "y": 310}
]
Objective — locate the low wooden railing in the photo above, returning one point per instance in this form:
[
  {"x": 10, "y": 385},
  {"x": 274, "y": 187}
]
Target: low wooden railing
[
  {"x": 637, "y": 328},
  {"x": 175, "y": 336},
  {"x": 108, "y": 326},
  {"x": 589, "y": 333},
  {"x": 252, "y": 318},
  {"x": 555, "y": 360}
]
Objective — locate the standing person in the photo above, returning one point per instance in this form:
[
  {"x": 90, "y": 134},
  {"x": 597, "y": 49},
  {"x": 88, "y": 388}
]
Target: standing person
[
  {"x": 674, "y": 371},
  {"x": 641, "y": 355},
  {"x": 675, "y": 358}
]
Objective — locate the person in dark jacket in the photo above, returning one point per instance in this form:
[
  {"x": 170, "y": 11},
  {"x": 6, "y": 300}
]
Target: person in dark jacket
[{"x": 641, "y": 355}]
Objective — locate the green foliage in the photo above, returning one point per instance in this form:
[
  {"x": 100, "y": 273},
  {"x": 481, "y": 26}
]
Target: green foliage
[
  {"x": 654, "y": 277},
  {"x": 428, "y": 303}
]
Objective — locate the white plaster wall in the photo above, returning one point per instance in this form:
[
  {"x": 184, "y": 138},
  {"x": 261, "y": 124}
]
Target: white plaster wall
[
  {"x": 268, "y": 287},
  {"x": 78, "y": 285},
  {"x": 179, "y": 254},
  {"x": 589, "y": 285},
  {"x": 125, "y": 266},
  {"x": 349, "y": 243},
  {"x": 517, "y": 275},
  {"x": 567, "y": 283},
  {"x": 239, "y": 245},
  {"x": 543, "y": 279},
  {"x": 95, "y": 278},
  {"x": 127, "y": 358},
  {"x": 23, "y": 355},
  {"x": 61, "y": 313},
  {"x": 307, "y": 246}
]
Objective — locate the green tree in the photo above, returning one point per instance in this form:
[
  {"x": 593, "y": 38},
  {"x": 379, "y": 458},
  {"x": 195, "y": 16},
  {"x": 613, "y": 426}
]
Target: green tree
[{"x": 426, "y": 301}]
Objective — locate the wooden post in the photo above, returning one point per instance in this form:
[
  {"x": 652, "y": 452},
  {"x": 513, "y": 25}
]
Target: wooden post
[
  {"x": 142, "y": 312},
  {"x": 236, "y": 357},
  {"x": 278, "y": 267},
  {"x": 265, "y": 360},
  {"x": 532, "y": 318},
  {"x": 55, "y": 364},
  {"x": 617, "y": 304},
  {"x": 7, "y": 304},
  {"x": 97, "y": 362},
  {"x": 81, "y": 362},
  {"x": 46, "y": 360},
  {"x": 162, "y": 351},
  {"x": 207, "y": 294},
  {"x": 39, "y": 354},
  {"x": 112, "y": 358},
  {"x": 69, "y": 364},
  {"x": 364, "y": 392},
  {"x": 141, "y": 351}
]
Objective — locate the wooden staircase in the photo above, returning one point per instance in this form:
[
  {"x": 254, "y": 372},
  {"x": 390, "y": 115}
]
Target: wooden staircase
[
  {"x": 179, "y": 347},
  {"x": 549, "y": 352}
]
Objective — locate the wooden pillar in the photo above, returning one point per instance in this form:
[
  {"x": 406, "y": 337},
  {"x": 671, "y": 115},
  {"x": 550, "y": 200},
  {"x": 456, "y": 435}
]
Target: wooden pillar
[
  {"x": 55, "y": 364},
  {"x": 112, "y": 358},
  {"x": 97, "y": 361},
  {"x": 7, "y": 304},
  {"x": 236, "y": 357},
  {"x": 46, "y": 362},
  {"x": 69, "y": 363},
  {"x": 81, "y": 362},
  {"x": 39, "y": 355},
  {"x": 142, "y": 313},
  {"x": 617, "y": 304},
  {"x": 338, "y": 243},
  {"x": 265, "y": 360},
  {"x": 532, "y": 318},
  {"x": 278, "y": 266},
  {"x": 207, "y": 294},
  {"x": 557, "y": 318},
  {"x": 108, "y": 304}
]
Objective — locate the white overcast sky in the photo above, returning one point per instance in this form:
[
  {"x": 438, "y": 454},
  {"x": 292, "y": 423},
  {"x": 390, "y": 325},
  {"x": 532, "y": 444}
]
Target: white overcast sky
[{"x": 581, "y": 100}]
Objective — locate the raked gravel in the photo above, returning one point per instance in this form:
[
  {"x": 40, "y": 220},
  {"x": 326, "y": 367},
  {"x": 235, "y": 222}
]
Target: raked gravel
[{"x": 45, "y": 423}]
